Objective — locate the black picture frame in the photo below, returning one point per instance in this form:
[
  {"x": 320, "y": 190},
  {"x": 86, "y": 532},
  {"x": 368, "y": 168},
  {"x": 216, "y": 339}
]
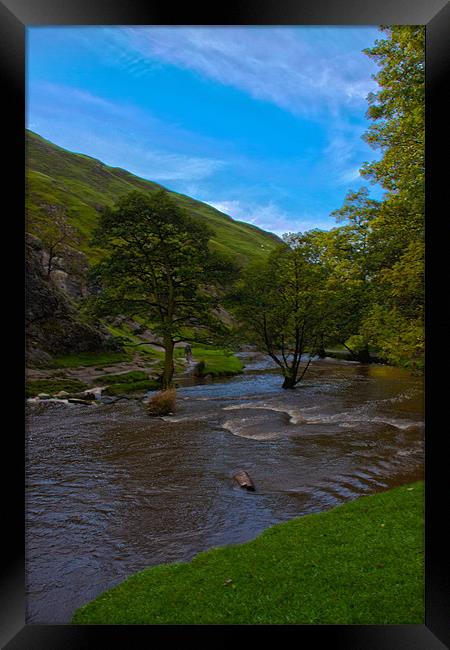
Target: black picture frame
[{"x": 15, "y": 17}]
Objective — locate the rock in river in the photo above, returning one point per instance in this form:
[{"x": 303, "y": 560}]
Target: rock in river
[{"x": 244, "y": 480}]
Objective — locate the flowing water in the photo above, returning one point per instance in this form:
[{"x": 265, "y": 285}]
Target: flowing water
[{"x": 111, "y": 491}]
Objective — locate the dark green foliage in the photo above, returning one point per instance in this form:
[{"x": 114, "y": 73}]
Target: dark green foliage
[
  {"x": 158, "y": 266},
  {"x": 361, "y": 563},
  {"x": 375, "y": 261},
  {"x": 114, "y": 343},
  {"x": 199, "y": 370},
  {"x": 391, "y": 319},
  {"x": 284, "y": 305}
]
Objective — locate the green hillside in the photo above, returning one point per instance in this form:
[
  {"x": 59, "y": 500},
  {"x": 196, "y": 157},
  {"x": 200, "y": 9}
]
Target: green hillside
[{"x": 82, "y": 185}]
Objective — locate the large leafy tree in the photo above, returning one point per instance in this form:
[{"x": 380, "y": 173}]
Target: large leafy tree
[
  {"x": 392, "y": 319},
  {"x": 283, "y": 305},
  {"x": 158, "y": 265}
]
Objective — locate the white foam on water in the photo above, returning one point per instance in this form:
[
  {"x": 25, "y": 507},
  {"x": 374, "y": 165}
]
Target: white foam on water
[
  {"x": 184, "y": 418},
  {"x": 239, "y": 428},
  {"x": 352, "y": 419},
  {"x": 295, "y": 416}
]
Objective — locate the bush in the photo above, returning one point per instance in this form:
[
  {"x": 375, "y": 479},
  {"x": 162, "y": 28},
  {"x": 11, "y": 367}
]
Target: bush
[
  {"x": 199, "y": 370},
  {"x": 115, "y": 343},
  {"x": 162, "y": 403}
]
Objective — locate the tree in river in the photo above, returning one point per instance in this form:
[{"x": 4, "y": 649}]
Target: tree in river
[
  {"x": 159, "y": 266},
  {"x": 283, "y": 305}
]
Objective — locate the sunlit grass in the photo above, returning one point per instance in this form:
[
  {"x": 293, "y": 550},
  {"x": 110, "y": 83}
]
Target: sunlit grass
[{"x": 360, "y": 563}]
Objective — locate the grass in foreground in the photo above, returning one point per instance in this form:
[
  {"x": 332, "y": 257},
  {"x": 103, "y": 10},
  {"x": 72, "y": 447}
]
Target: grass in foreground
[{"x": 360, "y": 563}]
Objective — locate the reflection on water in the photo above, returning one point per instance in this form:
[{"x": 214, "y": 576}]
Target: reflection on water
[{"x": 111, "y": 491}]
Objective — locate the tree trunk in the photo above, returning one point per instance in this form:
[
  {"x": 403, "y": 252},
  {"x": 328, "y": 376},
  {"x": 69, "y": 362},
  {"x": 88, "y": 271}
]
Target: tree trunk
[
  {"x": 49, "y": 265},
  {"x": 321, "y": 352},
  {"x": 364, "y": 355},
  {"x": 166, "y": 379},
  {"x": 289, "y": 379}
]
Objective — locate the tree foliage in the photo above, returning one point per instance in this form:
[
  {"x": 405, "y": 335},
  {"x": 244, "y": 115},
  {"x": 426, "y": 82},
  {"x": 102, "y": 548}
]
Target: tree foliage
[
  {"x": 284, "y": 305},
  {"x": 159, "y": 266},
  {"x": 391, "y": 320},
  {"x": 361, "y": 283}
]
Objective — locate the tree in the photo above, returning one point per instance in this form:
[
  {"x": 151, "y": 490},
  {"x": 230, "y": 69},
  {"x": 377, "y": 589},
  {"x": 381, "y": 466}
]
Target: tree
[
  {"x": 397, "y": 111},
  {"x": 350, "y": 254},
  {"x": 58, "y": 238},
  {"x": 159, "y": 266},
  {"x": 392, "y": 318},
  {"x": 283, "y": 305}
]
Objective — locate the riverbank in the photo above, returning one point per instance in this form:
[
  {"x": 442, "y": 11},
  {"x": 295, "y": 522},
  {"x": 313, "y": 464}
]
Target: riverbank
[
  {"x": 125, "y": 373},
  {"x": 358, "y": 563}
]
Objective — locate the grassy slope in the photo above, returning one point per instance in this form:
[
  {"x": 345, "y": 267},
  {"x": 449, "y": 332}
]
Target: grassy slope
[
  {"x": 83, "y": 184},
  {"x": 360, "y": 563}
]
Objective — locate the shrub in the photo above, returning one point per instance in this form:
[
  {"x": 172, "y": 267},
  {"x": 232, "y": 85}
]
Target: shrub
[
  {"x": 115, "y": 343},
  {"x": 199, "y": 370},
  {"x": 162, "y": 403}
]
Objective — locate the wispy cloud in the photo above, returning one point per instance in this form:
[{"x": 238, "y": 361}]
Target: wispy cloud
[
  {"x": 175, "y": 105},
  {"x": 304, "y": 70},
  {"x": 268, "y": 216},
  {"x": 133, "y": 145}
]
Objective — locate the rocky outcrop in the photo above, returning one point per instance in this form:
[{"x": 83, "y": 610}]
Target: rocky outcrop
[{"x": 53, "y": 325}]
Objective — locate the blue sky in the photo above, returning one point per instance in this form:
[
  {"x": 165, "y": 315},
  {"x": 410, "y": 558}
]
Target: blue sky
[{"x": 264, "y": 123}]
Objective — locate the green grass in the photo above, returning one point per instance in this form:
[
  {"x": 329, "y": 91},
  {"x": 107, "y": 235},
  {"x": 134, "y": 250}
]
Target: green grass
[
  {"x": 124, "y": 378},
  {"x": 141, "y": 386},
  {"x": 98, "y": 359},
  {"x": 218, "y": 362},
  {"x": 82, "y": 185},
  {"x": 360, "y": 563},
  {"x": 53, "y": 386},
  {"x": 129, "y": 382},
  {"x": 133, "y": 343}
]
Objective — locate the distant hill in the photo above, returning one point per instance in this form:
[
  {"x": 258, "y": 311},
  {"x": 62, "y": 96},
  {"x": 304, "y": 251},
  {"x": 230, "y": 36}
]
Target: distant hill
[{"x": 83, "y": 185}]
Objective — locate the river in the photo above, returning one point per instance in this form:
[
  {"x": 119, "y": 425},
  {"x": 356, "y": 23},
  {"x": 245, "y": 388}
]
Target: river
[{"x": 111, "y": 491}]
